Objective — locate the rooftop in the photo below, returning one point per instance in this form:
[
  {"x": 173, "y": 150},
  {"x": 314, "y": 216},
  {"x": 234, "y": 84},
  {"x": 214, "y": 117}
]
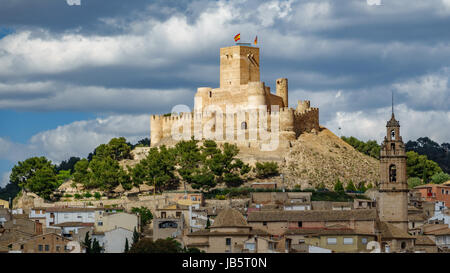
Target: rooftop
[{"x": 312, "y": 215}]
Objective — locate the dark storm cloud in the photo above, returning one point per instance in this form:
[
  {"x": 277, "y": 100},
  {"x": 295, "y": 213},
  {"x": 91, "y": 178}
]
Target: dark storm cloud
[{"x": 345, "y": 56}]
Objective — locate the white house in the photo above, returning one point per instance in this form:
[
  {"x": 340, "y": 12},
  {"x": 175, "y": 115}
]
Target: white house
[
  {"x": 113, "y": 241},
  {"x": 441, "y": 213}
]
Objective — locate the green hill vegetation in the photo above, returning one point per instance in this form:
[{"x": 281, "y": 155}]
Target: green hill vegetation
[{"x": 419, "y": 168}]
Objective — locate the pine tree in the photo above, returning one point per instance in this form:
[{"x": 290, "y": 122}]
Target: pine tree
[
  {"x": 208, "y": 223},
  {"x": 338, "y": 187},
  {"x": 96, "y": 248},
  {"x": 135, "y": 237},
  {"x": 126, "y": 246},
  {"x": 350, "y": 186},
  {"x": 87, "y": 243}
]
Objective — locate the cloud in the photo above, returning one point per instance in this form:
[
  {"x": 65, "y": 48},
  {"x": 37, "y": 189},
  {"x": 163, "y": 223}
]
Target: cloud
[
  {"x": 4, "y": 179},
  {"x": 368, "y": 125},
  {"x": 56, "y": 96},
  {"x": 77, "y": 138}
]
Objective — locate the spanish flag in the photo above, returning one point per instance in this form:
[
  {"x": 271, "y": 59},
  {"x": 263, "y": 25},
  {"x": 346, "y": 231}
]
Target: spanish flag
[
  {"x": 256, "y": 40},
  {"x": 237, "y": 37}
]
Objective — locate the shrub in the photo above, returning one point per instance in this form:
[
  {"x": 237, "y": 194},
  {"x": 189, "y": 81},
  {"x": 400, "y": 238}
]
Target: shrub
[
  {"x": 87, "y": 195},
  {"x": 220, "y": 197},
  {"x": 414, "y": 182},
  {"x": 68, "y": 195},
  {"x": 266, "y": 169},
  {"x": 97, "y": 195},
  {"x": 77, "y": 196}
]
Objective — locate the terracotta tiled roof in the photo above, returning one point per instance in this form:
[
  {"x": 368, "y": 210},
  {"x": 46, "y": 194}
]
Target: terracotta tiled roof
[
  {"x": 67, "y": 209},
  {"x": 229, "y": 218},
  {"x": 74, "y": 224},
  {"x": 323, "y": 231},
  {"x": 424, "y": 240},
  {"x": 312, "y": 215},
  {"x": 445, "y": 231},
  {"x": 389, "y": 231}
]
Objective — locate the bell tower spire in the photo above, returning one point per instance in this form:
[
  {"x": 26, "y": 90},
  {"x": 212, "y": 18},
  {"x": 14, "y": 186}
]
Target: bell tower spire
[{"x": 393, "y": 188}]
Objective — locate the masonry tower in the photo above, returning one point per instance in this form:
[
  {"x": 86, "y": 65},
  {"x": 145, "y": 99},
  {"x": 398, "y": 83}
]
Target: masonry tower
[{"x": 393, "y": 188}]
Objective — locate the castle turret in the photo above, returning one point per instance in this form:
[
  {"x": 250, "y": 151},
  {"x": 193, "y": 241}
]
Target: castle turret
[
  {"x": 282, "y": 90},
  {"x": 156, "y": 132}
]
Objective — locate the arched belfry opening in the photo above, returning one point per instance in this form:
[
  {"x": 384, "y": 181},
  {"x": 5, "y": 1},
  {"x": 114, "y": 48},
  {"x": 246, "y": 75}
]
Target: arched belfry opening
[
  {"x": 244, "y": 125},
  {"x": 392, "y": 173}
]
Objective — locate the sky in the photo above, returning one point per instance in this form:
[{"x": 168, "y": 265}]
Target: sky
[{"x": 76, "y": 73}]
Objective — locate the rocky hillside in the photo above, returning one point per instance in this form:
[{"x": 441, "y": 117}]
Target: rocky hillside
[
  {"x": 324, "y": 157},
  {"x": 313, "y": 158}
]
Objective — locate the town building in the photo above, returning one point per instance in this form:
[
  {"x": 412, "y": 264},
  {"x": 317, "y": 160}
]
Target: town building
[
  {"x": 278, "y": 222},
  {"x": 435, "y": 193},
  {"x": 228, "y": 234}
]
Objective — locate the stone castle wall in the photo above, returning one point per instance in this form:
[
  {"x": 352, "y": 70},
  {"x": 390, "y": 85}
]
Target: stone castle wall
[{"x": 240, "y": 87}]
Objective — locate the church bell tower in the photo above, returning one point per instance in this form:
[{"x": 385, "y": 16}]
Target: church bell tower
[{"x": 393, "y": 188}]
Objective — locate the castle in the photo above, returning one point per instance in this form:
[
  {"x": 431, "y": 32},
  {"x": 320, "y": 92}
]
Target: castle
[{"x": 242, "y": 100}]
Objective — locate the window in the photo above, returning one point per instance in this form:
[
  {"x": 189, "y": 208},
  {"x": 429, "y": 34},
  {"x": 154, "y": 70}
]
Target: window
[
  {"x": 264, "y": 223},
  {"x": 210, "y": 94},
  {"x": 364, "y": 241},
  {"x": 21, "y": 246},
  {"x": 331, "y": 241},
  {"x": 79, "y": 216},
  {"x": 244, "y": 125},
  {"x": 301, "y": 241},
  {"x": 393, "y": 147},
  {"x": 100, "y": 224},
  {"x": 250, "y": 246},
  {"x": 168, "y": 225},
  {"x": 47, "y": 247},
  {"x": 299, "y": 224},
  {"x": 163, "y": 214},
  {"x": 228, "y": 241},
  {"x": 40, "y": 247},
  {"x": 403, "y": 245},
  {"x": 392, "y": 173},
  {"x": 178, "y": 214},
  {"x": 348, "y": 241},
  {"x": 58, "y": 248},
  {"x": 393, "y": 134}
]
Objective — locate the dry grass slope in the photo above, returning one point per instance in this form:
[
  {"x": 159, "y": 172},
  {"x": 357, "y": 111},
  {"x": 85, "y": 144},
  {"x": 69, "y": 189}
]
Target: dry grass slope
[{"x": 324, "y": 157}]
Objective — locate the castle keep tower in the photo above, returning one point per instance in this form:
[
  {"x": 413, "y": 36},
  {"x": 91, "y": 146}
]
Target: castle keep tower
[
  {"x": 238, "y": 65},
  {"x": 393, "y": 188}
]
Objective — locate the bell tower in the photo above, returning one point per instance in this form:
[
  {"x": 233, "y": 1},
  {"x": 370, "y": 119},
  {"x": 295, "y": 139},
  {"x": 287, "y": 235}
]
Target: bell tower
[{"x": 393, "y": 188}]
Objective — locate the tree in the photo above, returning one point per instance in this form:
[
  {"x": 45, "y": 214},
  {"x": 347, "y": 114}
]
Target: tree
[
  {"x": 23, "y": 171},
  {"x": 362, "y": 186},
  {"x": 44, "y": 182},
  {"x": 145, "y": 215},
  {"x": 439, "y": 178},
  {"x": 81, "y": 172},
  {"x": 157, "y": 169},
  {"x": 127, "y": 248},
  {"x": 338, "y": 186},
  {"x": 350, "y": 187},
  {"x": 419, "y": 166},
  {"x": 208, "y": 223},
  {"x": 266, "y": 169},
  {"x": 370, "y": 148},
  {"x": 136, "y": 237},
  {"x": 96, "y": 248},
  {"x": 147, "y": 245},
  {"x": 68, "y": 165},
  {"x": 414, "y": 182},
  {"x": 87, "y": 243},
  {"x": 63, "y": 176}
]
